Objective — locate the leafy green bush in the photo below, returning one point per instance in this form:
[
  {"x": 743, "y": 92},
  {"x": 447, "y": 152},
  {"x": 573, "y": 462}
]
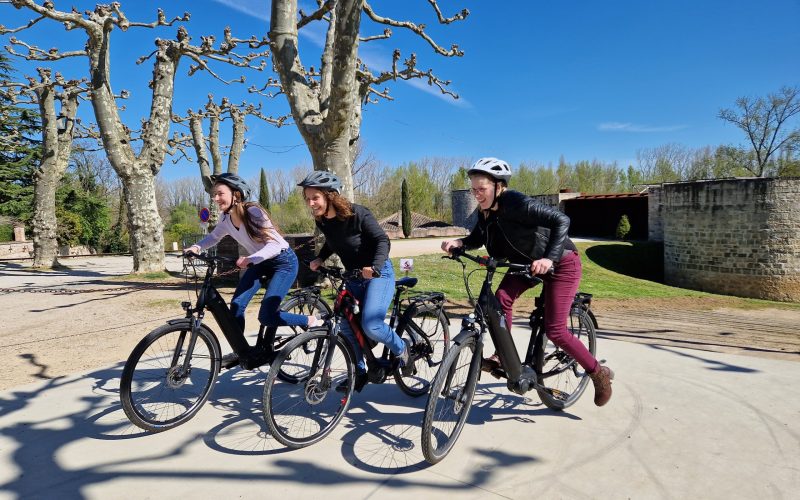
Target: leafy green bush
[
  {"x": 623, "y": 227},
  {"x": 6, "y": 232}
]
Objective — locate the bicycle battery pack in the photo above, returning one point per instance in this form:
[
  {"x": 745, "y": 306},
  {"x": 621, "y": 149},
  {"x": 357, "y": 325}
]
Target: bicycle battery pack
[
  {"x": 230, "y": 328},
  {"x": 501, "y": 335}
]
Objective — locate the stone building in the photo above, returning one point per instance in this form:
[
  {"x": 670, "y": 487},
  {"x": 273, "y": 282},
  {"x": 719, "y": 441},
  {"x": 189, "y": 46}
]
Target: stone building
[{"x": 733, "y": 236}]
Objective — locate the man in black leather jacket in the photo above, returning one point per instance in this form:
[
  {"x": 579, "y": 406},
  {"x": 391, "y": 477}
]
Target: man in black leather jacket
[{"x": 512, "y": 225}]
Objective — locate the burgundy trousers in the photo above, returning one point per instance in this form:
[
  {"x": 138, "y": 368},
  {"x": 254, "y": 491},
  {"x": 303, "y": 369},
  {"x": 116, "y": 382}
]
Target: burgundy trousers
[{"x": 559, "y": 291}]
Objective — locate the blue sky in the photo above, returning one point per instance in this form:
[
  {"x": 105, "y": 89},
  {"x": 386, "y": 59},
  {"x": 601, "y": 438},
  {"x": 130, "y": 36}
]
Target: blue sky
[{"x": 583, "y": 79}]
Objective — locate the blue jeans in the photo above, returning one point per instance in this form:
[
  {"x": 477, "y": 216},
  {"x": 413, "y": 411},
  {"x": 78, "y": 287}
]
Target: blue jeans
[
  {"x": 374, "y": 297},
  {"x": 281, "y": 271}
]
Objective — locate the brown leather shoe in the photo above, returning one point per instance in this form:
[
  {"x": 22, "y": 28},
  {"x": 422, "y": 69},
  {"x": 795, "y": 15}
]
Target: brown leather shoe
[
  {"x": 602, "y": 385},
  {"x": 491, "y": 363}
]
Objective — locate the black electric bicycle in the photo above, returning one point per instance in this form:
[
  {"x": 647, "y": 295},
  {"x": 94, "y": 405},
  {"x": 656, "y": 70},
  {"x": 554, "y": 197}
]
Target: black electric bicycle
[
  {"x": 556, "y": 376},
  {"x": 169, "y": 374},
  {"x": 305, "y": 405}
]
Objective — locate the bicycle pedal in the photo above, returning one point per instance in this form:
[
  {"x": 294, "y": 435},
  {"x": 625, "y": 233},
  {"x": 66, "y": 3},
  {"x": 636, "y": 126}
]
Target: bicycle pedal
[
  {"x": 498, "y": 373},
  {"x": 556, "y": 393}
]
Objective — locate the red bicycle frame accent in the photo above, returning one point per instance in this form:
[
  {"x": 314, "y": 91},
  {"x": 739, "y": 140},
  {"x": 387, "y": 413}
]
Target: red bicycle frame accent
[{"x": 343, "y": 305}]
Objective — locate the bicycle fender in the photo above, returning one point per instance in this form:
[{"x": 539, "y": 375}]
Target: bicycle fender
[
  {"x": 187, "y": 322},
  {"x": 462, "y": 336}
]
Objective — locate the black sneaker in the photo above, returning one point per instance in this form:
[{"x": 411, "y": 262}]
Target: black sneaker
[
  {"x": 404, "y": 360},
  {"x": 361, "y": 381},
  {"x": 230, "y": 360}
]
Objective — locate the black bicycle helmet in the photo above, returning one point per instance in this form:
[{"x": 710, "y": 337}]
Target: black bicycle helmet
[
  {"x": 234, "y": 182},
  {"x": 322, "y": 179},
  {"x": 498, "y": 169}
]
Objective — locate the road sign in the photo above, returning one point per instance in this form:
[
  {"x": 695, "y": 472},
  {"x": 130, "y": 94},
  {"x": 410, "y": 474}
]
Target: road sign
[
  {"x": 407, "y": 265},
  {"x": 205, "y": 214}
]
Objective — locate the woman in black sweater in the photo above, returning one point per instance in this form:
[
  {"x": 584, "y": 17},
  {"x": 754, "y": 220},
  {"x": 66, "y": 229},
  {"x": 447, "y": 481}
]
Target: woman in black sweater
[{"x": 353, "y": 233}]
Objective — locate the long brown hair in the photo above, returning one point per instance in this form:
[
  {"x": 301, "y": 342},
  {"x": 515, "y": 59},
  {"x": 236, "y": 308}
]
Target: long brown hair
[
  {"x": 341, "y": 205},
  {"x": 257, "y": 233}
]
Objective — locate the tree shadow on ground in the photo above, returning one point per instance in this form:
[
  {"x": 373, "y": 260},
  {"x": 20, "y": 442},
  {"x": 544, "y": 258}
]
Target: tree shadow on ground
[
  {"x": 638, "y": 259},
  {"x": 41, "y": 441},
  {"x": 385, "y": 442}
]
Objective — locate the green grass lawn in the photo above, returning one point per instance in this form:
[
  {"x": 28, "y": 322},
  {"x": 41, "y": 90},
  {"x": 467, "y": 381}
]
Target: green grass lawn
[{"x": 611, "y": 270}]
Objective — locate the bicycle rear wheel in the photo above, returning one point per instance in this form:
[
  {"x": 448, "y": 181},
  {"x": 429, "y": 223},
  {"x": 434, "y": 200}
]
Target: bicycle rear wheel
[
  {"x": 305, "y": 408},
  {"x": 155, "y": 391},
  {"x": 563, "y": 378},
  {"x": 307, "y": 305},
  {"x": 450, "y": 399},
  {"x": 428, "y": 334}
]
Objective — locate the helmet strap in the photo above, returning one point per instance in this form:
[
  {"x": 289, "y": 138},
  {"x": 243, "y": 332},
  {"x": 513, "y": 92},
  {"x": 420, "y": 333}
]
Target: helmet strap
[{"x": 496, "y": 194}]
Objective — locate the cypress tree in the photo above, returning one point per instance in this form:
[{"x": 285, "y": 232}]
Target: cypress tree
[
  {"x": 405, "y": 210},
  {"x": 263, "y": 191}
]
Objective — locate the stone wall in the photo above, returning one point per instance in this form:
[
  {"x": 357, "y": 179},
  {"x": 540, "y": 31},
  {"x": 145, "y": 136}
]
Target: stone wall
[
  {"x": 431, "y": 232},
  {"x": 464, "y": 207},
  {"x": 655, "y": 215},
  {"x": 739, "y": 237},
  {"x": 555, "y": 200},
  {"x": 19, "y": 250}
]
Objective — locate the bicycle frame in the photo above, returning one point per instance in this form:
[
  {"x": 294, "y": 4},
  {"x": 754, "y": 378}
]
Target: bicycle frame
[
  {"x": 488, "y": 315},
  {"x": 346, "y": 308},
  {"x": 210, "y": 298}
]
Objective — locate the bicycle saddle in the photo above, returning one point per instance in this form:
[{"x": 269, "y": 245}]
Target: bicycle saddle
[{"x": 406, "y": 282}]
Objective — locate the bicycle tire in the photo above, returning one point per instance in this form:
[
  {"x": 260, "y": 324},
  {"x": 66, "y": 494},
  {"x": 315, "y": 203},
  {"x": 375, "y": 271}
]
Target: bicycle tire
[
  {"x": 306, "y": 305},
  {"x": 151, "y": 377},
  {"x": 448, "y": 406},
  {"x": 303, "y": 410},
  {"x": 563, "y": 378},
  {"x": 427, "y": 350}
]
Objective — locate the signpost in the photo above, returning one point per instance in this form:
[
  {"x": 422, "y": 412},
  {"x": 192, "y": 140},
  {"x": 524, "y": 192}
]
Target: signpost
[
  {"x": 407, "y": 265},
  {"x": 205, "y": 214}
]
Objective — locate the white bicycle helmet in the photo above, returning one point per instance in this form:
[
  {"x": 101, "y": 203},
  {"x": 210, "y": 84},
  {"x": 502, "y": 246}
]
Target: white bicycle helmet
[{"x": 497, "y": 169}]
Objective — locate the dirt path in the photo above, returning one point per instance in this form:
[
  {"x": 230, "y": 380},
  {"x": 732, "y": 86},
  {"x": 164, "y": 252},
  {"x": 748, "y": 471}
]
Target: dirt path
[{"x": 46, "y": 335}]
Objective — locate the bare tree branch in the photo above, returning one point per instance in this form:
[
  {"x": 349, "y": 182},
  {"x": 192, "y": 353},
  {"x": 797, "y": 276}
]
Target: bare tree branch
[
  {"x": 37, "y": 54},
  {"x": 410, "y": 72},
  {"x": 386, "y": 34},
  {"x": 325, "y": 8},
  {"x": 419, "y": 29}
]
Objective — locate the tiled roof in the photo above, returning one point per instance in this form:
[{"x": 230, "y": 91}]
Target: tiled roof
[
  {"x": 608, "y": 196},
  {"x": 392, "y": 222}
]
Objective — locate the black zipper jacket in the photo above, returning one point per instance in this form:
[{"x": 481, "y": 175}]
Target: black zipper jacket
[
  {"x": 358, "y": 240},
  {"x": 521, "y": 230}
]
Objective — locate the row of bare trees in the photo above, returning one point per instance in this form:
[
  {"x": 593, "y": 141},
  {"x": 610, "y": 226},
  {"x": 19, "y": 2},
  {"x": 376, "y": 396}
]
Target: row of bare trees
[{"x": 325, "y": 103}]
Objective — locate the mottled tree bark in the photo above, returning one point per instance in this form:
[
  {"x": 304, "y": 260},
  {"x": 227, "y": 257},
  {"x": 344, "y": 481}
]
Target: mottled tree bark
[
  {"x": 326, "y": 105},
  {"x": 57, "y": 135}
]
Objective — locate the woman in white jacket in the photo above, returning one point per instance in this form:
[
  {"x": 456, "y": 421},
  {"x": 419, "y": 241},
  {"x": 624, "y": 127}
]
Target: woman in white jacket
[{"x": 268, "y": 254}]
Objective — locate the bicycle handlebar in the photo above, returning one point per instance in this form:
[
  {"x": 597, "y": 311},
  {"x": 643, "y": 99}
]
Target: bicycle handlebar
[
  {"x": 339, "y": 273},
  {"x": 208, "y": 258},
  {"x": 523, "y": 270}
]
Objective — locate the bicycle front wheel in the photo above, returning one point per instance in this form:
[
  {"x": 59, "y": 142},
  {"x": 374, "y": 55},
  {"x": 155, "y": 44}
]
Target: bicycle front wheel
[
  {"x": 428, "y": 334},
  {"x": 158, "y": 389},
  {"x": 562, "y": 378},
  {"x": 450, "y": 399},
  {"x": 305, "y": 404}
]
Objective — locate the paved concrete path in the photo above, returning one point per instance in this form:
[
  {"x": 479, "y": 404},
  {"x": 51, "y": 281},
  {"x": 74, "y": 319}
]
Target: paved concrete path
[{"x": 682, "y": 424}]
